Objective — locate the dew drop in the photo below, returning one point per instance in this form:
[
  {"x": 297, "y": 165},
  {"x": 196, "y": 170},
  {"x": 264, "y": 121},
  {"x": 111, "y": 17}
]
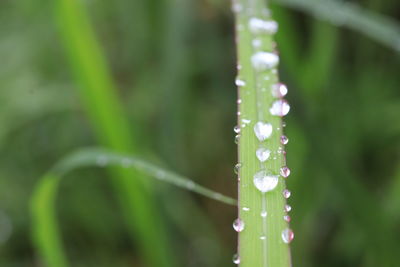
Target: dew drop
[
  {"x": 238, "y": 113},
  {"x": 236, "y": 129},
  {"x": 284, "y": 140},
  {"x": 283, "y": 124},
  {"x": 287, "y": 208},
  {"x": 280, "y": 108},
  {"x": 286, "y": 193},
  {"x": 102, "y": 160},
  {"x": 237, "y": 168},
  {"x": 257, "y": 26},
  {"x": 256, "y": 43},
  {"x": 287, "y": 235},
  {"x": 264, "y": 61},
  {"x": 246, "y": 121},
  {"x": 237, "y": 138},
  {"x": 265, "y": 182},
  {"x": 263, "y": 237},
  {"x": 239, "y": 101},
  {"x": 264, "y": 213},
  {"x": 287, "y": 218},
  {"x": 236, "y": 259},
  {"x": 240, "y": 82},
  {"x": 236, "y": 7},
  {"x": 263, "y": 154},
  {"x": 279, "y": 90},
  {"x": 285, "y": 171},
  {"x": 245, "y": 208},
  {"x": 262, "y": 130},
  {"x": 238, "y": 225},
  {"x": 126, "y": 162}
]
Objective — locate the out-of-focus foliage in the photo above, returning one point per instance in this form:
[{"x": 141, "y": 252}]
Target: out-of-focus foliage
[{"x": 174, "y": 65}]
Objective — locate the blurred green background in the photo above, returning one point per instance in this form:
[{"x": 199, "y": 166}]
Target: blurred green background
[{"x": 172, "y": 67}]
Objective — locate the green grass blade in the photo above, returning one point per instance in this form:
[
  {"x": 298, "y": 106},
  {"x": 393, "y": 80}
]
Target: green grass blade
[
  {"x": 98, "y": 94},
  {"x": 378, "y": 27},
  {"x": 45, "y": 228},
  {"x": 260, "y": 242},
  {"x": 101, "y": 157}
]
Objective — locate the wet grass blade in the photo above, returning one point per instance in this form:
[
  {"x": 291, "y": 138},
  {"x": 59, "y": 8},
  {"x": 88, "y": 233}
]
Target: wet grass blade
[{"x": 263, "y": 232}]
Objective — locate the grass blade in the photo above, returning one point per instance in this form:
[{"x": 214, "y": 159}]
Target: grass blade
[
  {"x": 378, "y": 27},
  {"x": 261, "y": 208},
  {"x": 98, "y": 94}
]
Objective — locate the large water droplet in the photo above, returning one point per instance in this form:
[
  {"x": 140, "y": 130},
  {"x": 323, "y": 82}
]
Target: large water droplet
[
  {"x": 265, "y": 182},
  {"x": 236, "y": 259},
  {"x": 263, "y": 154},
  {"x": 264, "y": 61},
  {"x": 287, "y": 218},
  {"x": 240, "y": 82},
  {"x": 262, "y": 130},
  {"x": 287, "y": 235},
  {"x": 280, "y": 108},
  {"x": 257, "y": 26},
  {"x": 237, "y": 167},
  {"x": 236, "y": 129},
  {"x": 286, "y": 193},
  {"x": 279, "y": 90},
  {"x": 284, "y": 140},
  {"x": 287, "y": 208},
  {"x": 285, "y": 171},
  {"x": 238, "y": 225}
]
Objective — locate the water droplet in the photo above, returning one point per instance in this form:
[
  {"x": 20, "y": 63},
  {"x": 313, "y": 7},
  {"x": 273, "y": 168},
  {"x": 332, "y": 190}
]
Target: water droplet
[
  {"x": 265, "y": 182},
  {"x": 240, "y": 82},
  {"x": 245, "y": 208},
  {"x": 263, "y": 237},
  {"x": 239, "y": 101},
  {"x": 287, "y": 235},
  {"x": 236, "y": 7},
  {"x": 285, "y": 171},
  {"x": 286, "y": 193},
  {"x": 263, "y": 154},
  {"x": 257, "y": 26},
  {"x": 264, "y": 61},
  {"x": 284, "y": 140},
  {"x": 238, "y": 225},
  {"x": 238, "y": 113},
  {"x": 237, "y": 138},
  {"x": 287, "y": 218},
  {"x": 280, "y": 108},
  {"x": 264, "y": 213},
  {"x": 287, "y": 208},
  {"x": 102, "y": 160},
  {"x": 236, "y": 129},
  {"x": 236, "y": 259},
  {"x": 283, "y": 124},
  {"x": 256, "y": 43},
  {"x": 237, "y": 168},
  {"x": 279, "y": 90},
  {"x": 238, "y": 67},
  {"x": 246, "y": 121},
  {"x": 126, "y": 162},
  {"x": 262, "y": 130}
]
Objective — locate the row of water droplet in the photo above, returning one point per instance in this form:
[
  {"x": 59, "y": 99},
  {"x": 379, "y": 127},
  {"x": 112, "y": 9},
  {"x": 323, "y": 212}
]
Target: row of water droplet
[{"x": 265, "y": 181}]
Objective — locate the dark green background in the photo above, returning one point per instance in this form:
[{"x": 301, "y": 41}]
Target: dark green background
[{"x": 174, "y": 65}]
